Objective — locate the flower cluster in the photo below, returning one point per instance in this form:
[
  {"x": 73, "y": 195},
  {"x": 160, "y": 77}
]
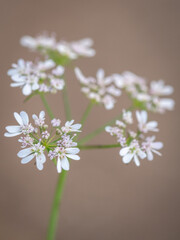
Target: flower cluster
[
  {"x": 144, "y": 96},
  {"x": 42, "y": 76},
  {"x": 36, "y": 140},
  {"x": 72, "y": 50},
  {"x": 100, "y": 89},
  {"x": 134, "y": 144}
]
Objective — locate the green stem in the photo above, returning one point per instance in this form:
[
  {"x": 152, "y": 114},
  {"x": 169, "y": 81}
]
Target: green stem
[
  {"x": 86, "y": 113},
  {"x": 66, "y": 103},
  {"x": 98, "y": 146},
  {"x": 100, "y": 129},
  {"x": 46, "y": 105},
  {"x": 55, "y": 207},
  {"x": 51, "y": 232}
]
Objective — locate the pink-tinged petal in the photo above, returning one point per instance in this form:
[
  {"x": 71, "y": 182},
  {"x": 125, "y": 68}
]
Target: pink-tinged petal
[
  {"x": 80, "y": 75},
  {"x": 138, "y": 116},
  {"x": 86, "y": 42},
  {"x": 24, "y": 153},
  {"x": 27, "y": 90},
  {"x": 11, "y": 134},
  {"x": 59, "y": 169},
  {"x": 124, "y": 151},
  {"x": 149, "y": 155},
  {"x": 24, "y": 117},
  {"x": 65, "y": 164},
  {"x": 127, "y": 158},
  {"x": 72, "y": 156},
  {"x": 157, "y": 145},
  {"x": 27, "y": 159},
  {"x": 72, "y": 150},
  {"x": 76, "y": 126},
  {"x": 34, "y": 116},
  {"x": 136, "y": 160},
  {"x": 13, "y": 129},
  {"x": 18, "y": 118}
]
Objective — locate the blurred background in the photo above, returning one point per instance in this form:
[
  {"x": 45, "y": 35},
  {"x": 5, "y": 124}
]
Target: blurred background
[{"x": 103, "y": 198}]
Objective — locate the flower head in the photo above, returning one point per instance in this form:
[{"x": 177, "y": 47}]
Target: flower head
[
  {"x": 151, "y": 147},
  {"x": 143, "y": 125},
  {"x": 100, "y": 89},
  {"x": 58, "y": 143}
]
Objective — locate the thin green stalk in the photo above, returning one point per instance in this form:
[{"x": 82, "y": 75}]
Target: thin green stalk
[
  {"x": 86, "y": 113},
  {"x": 51, "y": 232},
  {"x": 67, "y": 108},
  {"x": 100, "y": 129},
  {"x": 98, "y": 146},
  {"x": 46, "y": 105}
]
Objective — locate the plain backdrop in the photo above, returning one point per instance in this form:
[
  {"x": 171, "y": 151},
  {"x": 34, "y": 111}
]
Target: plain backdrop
[{"x": 103, "y": 198}]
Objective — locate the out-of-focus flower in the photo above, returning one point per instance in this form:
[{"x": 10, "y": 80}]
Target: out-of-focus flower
[
  {"x": 42, "y": 76},
  {"x": 100, "y": 89},
  {"x": 151, "y": 147},
  {"x": 127, "y": 116},
  {"x": 143, "y": 125}
]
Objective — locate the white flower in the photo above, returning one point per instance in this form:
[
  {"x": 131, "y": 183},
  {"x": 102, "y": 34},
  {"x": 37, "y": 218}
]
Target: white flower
[
  {"x": 39, "y": 121},
  {"x": 23, "y": 127},
  {"x": 23, "y": 76},
  {"x": 31, "y": 77},
  {"x": 70, "y": 127},
  {"x": 151, "y": 147},
  {"x": 127, "y": 116},
  {"x": 40, "y": 41},
  {"x": 132, "y": 152},
  {"x": 100, "y": 89},
  {"x": 55, "y": 122},
  {"x": 62, "y": 154},
  {"x": 143, "y": 125},
  {"x": 28, "y": 154},
  {"x": 158, "y": 88}
]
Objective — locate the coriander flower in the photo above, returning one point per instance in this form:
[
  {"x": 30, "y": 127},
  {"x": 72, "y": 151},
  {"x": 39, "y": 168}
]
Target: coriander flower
[
  {"x": 41, "y": 76},
  {"x": 37, "y": 151},
  {"x": 127, "y": 116},
  {"x": 58, "y": 142},
  {"x": 100, "y": 89},
  {"x": 132, "y": 152},
  {"x": 151, "y": 147},
  {"x": 158, "y": 88},
  {"x": 143, "y": 125},
  {"x": 23, "y": 127}
]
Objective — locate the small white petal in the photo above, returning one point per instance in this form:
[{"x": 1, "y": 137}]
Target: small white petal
[
  {"x": 27, "y": 159},
  {"x": 149, "y": 155},
  {"x": 124, "y": 151},
  {"x": 42, "y": 114},
  {"x": 65, "y": 164},
  {"x": 59, "y": 169},
  {"x": 136, "y": 160},
  {"x": 144, "y": 116},
  {"x": 27, "y": 90},
  {"x": 25, "y": 152},
  {"x": 18, "y": 118},
  {"x": 127, "y": 158},
  {"x": 72, "y": 156},
  {"x": 11, "y": 134},
  {"x": 72, "y": 150},
  {"x": 13, "y": 129},
  {"x": 24, "y": 117},
  {"x": 157, "y": 145}
]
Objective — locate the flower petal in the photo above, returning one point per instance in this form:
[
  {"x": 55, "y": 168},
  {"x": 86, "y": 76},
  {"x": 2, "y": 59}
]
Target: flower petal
[
  {"x": 59, "y": 169},
  {"x": 27, "y": 89},
  {"x": 72, "y": 156},
  {"x": 11, "y": 134},
  {"x": 25, "y": 152},
  {"x": 72, "y": 150},
  {"x": 65, "y": 164},
  {"x": 24, "y": 117},
  {"x": 13, "y": 129},
  {"x": 136, "y": 160},
  {"x": 127, "y": 158},
  {"x": 124, "y": 151},
  {"x": 18, "y": 118},
  {"x": 27, "y": 159}
]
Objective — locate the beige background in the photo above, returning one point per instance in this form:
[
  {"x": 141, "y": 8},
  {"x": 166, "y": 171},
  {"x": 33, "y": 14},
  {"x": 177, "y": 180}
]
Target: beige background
[{"x": 103, "y": 199}]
